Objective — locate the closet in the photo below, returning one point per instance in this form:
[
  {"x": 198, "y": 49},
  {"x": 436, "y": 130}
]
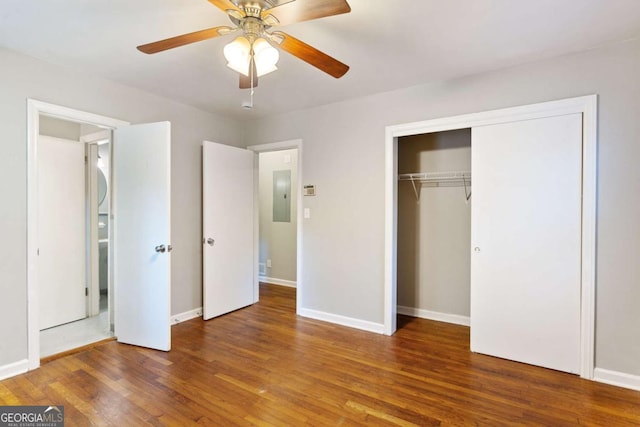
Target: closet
[
  {"x": 521, "y": 272},
  {"x": 434, "y": 225}
]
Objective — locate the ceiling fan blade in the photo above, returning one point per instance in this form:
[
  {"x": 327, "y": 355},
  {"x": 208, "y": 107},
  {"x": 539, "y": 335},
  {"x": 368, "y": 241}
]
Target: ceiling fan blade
[
  {"x": 310, "y": 54},
  {"x": 224, "y": 5},
  {"x": 245, "y": 81},
  {"x": 305, "y": 10},
  {"x": 184, "y": 39}
]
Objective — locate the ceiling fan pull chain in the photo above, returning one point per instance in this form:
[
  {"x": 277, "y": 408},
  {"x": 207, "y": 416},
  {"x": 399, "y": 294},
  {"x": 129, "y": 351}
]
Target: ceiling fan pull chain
[{"x": 252, "y": 72}]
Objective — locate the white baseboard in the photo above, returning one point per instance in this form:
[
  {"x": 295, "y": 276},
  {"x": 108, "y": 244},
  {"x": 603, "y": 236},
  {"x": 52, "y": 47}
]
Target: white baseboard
[
  {"x": 619, "y": 379},
  {"x": 435, "y": 315},
  {"x": 187, "y": 315},
  {"x": 364, "y": 325},
  {"x": 275, "y": 281},
  {"x": 13, "y": 369}
]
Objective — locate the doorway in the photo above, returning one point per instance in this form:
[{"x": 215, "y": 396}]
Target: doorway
[
  {"x": 69, "y": 124},
  {"x": 586, "y": 107},
  {"x": 279, "y": 168},
  {"x": 73, "y": 178},
  {"x": 277, "y": 207}
]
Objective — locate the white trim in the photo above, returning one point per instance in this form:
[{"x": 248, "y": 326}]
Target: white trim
[
  {"x": 280, "y": 282},
  {"x": 619, "y": 379},
  {"x": 589, "y": 215},
  {"x": 587, "y": 105},
  {"x": 13, "y": 369},
  {"x": 350, "y": 322},
  {"x": 99, "y": 138},
  {"x": 256, "y": 227},
  {"x": 34, "y": 110},
  {"x": 505, "y": 115},
  {"x": 92, "y": 251},
  {"x": 96, "y": 139},
  {"x": 456, "y": 319},
  {"x": 390, "y": 231},
  {"x": 277, "y": 146},
  {"x": 187, "y": 315}
]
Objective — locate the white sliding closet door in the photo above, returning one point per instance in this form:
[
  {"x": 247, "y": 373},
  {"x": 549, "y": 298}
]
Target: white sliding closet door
[{"x": 526, "y": 241}]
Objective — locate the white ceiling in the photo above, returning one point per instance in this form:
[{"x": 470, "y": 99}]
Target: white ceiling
[{"x": 389, "y": 44}]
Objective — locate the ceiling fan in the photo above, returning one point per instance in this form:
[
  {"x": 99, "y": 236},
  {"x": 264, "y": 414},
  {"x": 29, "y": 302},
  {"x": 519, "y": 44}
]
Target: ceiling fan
[{"x": 252, "y": 53}]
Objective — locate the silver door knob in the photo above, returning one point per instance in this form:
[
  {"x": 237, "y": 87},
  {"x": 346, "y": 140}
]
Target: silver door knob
[
  {"x": 160, "y": 249},
  {"x": 477, "y": 249},
  {"x": 210, "y": 241}
]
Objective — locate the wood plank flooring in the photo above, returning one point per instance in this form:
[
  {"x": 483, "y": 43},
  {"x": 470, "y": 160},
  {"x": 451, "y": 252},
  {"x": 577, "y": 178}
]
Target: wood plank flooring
[{"x": 264, "y": 366}]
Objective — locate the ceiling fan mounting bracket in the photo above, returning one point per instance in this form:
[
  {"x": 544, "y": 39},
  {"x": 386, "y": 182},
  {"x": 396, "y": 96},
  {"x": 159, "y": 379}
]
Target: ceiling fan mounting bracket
[{"x": 259, "y": 4}]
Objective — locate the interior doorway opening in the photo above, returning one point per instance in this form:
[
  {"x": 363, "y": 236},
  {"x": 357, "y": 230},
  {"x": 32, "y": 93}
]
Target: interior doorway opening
[
  {"x": 277, "y": 206},
  {"x": 70, "y": 124},
  {"x": 73, "y": 223},
  {"x": 284, "y": 155}
]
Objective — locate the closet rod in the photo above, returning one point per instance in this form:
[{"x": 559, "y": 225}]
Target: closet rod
[{"x": 438, "y": 179}]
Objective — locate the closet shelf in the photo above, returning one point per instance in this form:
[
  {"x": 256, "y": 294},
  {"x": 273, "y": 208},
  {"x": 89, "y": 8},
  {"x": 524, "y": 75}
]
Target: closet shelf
[{"x": 438, "y": 179}]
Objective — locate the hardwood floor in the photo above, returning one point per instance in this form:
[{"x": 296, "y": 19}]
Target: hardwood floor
[{"x": 265, "y": 366}]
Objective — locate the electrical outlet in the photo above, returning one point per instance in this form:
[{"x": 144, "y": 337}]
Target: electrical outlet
[{"x": 268, "y": 263}]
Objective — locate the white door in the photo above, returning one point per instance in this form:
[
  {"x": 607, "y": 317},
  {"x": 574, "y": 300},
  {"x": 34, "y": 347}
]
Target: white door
[
  {"x": 228, "y": 225},
  {"x": 526, "y": 241},
  {"x": 61, "y": 231},
  {"x": 142, "y": 234}
]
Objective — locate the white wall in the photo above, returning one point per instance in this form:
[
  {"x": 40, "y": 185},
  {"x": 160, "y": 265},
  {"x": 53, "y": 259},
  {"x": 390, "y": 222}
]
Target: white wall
[
  {"x": 434, "y": 233},
  {"x": 278, "y": 239},
  {"x": 344, "y": 156},
  {"x": 22, "y": 77},
  {"x": 57, "y": 128}
]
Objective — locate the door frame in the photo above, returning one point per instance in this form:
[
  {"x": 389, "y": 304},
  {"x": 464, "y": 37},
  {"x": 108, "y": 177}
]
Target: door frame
[
  {"x": 92, "y": 142},
  {"x": 588, "y": 106},
  {"x": 36, "y": 108},
  {"x": 264, "y": 148}
]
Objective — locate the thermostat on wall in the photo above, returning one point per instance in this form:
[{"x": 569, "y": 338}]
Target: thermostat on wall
[{"x": 309, "y": 190}]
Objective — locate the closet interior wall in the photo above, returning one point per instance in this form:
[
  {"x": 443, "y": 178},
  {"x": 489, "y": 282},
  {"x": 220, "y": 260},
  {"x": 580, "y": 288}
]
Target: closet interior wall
[{"x": 434, "y": 228}]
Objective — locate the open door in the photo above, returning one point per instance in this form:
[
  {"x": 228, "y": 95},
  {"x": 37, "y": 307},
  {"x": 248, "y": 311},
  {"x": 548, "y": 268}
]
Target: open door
[
  {"x": 142, "y": 234},
  {"x": 229, "y": 261}
]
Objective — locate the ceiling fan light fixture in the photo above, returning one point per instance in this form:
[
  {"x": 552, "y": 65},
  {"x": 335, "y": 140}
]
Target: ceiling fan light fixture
[
  {"x": 265, "y": 56},
  {"x": 238, "y": 55}
]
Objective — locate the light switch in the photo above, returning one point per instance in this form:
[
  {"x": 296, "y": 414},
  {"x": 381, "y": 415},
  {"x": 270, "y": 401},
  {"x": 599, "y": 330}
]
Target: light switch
[{"x": 307, "y": 213}]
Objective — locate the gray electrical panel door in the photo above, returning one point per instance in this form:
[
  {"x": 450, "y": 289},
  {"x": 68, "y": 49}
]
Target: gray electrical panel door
[{"x": 282, "y": 196}]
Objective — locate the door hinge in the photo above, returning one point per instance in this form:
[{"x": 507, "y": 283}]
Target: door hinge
[
  {"x": 86, "y": 160},
  {"x": 86, "y": 292}
]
